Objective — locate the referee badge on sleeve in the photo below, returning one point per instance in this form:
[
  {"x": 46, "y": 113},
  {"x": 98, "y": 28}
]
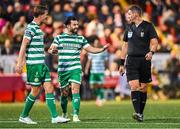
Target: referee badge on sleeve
[
  {"x": 142, "y": 33},
  {"x": 130, "y": 33}
]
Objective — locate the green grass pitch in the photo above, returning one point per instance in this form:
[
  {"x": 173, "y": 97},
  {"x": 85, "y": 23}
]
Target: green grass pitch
[{"x": 158, "y": 114}]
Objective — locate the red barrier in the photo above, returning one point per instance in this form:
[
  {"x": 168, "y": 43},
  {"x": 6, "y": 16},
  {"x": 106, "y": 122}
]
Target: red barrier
[
  {"x": 11, "y": 88},
  {"x": 111, "y": 82}
]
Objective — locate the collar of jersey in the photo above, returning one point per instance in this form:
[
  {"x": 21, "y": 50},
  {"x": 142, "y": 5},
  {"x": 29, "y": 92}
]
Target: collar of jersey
[{"x": 35, "y": 23}]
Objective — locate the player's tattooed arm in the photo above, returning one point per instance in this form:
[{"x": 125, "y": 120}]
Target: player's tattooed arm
[{"x": 92, "y": 49}]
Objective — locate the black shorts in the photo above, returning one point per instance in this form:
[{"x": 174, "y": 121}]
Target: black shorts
[{"x": 138, "y": 68}]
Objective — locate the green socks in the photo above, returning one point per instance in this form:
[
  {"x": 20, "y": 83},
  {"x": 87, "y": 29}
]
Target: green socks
[
  {"x": 49, "y": 101},
  {"x": 64, "y": 103},
  {"x": 51, "y": 105},
  {"x": 28, "y": 105},
  {"x": 101, "y": 93},
  {"x": 76, "y": 103},
  {"x": 97, "y": 92}
]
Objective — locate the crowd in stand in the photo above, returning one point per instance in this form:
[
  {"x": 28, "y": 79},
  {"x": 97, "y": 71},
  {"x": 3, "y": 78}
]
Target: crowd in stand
[{"x": 104, "y": 20}]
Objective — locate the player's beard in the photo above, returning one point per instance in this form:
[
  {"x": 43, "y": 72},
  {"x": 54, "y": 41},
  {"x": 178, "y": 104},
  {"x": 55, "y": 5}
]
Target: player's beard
[{"x": 74, "y": 31}]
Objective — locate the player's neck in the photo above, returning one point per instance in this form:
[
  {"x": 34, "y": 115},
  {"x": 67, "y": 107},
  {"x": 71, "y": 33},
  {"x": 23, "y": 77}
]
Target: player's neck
[
  {"x": 69, "y": 32},
  {"x": 37, "y": 21}
]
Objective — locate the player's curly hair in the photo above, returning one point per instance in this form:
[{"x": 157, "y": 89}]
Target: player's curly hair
[{"x": 69, "y": 19}]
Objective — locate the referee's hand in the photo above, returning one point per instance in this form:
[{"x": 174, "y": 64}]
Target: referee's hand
[
  {"x": 149, "y": 56},
  {"x": 121, "y": 70}
]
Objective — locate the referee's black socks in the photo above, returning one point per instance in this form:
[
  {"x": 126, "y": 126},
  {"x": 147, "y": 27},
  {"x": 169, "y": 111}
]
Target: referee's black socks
[
  {"x": 136, "y": 100},
  {"x": 143, "y": 96}
]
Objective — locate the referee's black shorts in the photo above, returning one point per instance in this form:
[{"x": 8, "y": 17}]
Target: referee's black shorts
[{"x": 138, "y": 68}]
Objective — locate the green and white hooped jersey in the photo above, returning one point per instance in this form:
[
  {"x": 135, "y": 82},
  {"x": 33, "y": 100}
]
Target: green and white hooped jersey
[
  {"x": 98, "y": 61},
  {"x": 35, "y": 49},
  {"x": 69, "y": 49}
]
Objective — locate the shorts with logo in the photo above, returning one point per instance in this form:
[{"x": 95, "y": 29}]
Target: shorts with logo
[
  {"x": 96, "y": 78},
  {"x": 37, "y": 74},
  {"x": 138, "y": 68},
  {"x": 67, "y": 77}
]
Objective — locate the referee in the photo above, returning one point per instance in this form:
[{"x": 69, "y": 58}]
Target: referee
[{"x": 141, "y": 42}]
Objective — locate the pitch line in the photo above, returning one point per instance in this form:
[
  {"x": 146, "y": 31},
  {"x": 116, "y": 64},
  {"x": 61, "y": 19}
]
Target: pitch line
[{"x": 106, "y": 122}]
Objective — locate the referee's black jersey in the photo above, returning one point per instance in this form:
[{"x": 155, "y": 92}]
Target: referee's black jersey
[{"x": 138, "y": 38}]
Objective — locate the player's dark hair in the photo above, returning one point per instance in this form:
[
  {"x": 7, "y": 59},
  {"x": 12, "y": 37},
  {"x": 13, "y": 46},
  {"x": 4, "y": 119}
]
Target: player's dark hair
[
  {"x": 39, "y": 10},
  {"x": 69, "y": 19},
  {"x": 136, "y": 8}
]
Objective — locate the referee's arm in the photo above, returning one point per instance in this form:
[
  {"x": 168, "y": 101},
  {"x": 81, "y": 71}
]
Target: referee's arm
[
  {"x": 124, "y": 50},
  {"x": 153, "y": 48},
  {"x": 153, "y": 44}
]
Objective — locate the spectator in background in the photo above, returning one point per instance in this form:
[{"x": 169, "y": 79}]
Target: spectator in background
[
  {"x": 157, "y": 10},
  {"x": 2, "y": 23},
  {"x": 109, "y": 23},
  {"x": 157, "y": 92},
  {"x": 116, "y": 37},
  {"x": 58, "y": 28},
  {"x": 6, "y": 33},
  {"x": 81, "y": 15},
  {"x": 95, "y": 27},
  {"x": 9, "y": 13},
  {"x": 18, "y": 31},
  {"x": 97, "y": 64},
  {"x": 68, "y": 10},
  {"x": 2, "y": 12},
  {"x": 17, "y": 12},
  {"x": 1, "y": 71},
  {"x": 56, "y": 13},
  {"x": 19, "y": 26},
  {"x": 177, "y": 29},
  {"x": 104, "y": 13},
  {"x": 117, "y": 15},
  {"x": 107, "y": 39},
  {"x": 8, "y": 49},
  {"x": 48, "y": 29},
  {"x": 173, "y": 67}
]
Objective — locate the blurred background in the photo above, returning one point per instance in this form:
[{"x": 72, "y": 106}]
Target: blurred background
[{"x": 101, "y": 21}]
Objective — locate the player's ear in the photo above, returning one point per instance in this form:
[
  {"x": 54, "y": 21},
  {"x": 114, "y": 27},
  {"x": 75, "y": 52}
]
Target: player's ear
[{"x": 67, "y": 25}]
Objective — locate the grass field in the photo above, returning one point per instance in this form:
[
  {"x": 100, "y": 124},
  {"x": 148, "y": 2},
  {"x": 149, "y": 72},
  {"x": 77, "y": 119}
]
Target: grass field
[{"x": 158, "y": 114}]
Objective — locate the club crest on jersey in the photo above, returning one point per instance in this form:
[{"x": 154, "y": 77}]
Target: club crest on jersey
[
  {"x": 130, "y": 33},
  {"x": 36, "y": 80}
]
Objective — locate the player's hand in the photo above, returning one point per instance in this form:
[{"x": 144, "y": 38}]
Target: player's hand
[
  {"x": 149, "y": 56},
  {"x": 19, "y": 68},
  {"x": 121, "y": 70},
  {"x": 53, "y": 51},
  {"x": 106, "y": 46}
]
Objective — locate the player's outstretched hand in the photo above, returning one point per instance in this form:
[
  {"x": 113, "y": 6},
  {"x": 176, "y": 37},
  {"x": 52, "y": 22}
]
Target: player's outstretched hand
[
  {"x": 106, "y": 46},
  {"x": 53, "y": 51}
]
